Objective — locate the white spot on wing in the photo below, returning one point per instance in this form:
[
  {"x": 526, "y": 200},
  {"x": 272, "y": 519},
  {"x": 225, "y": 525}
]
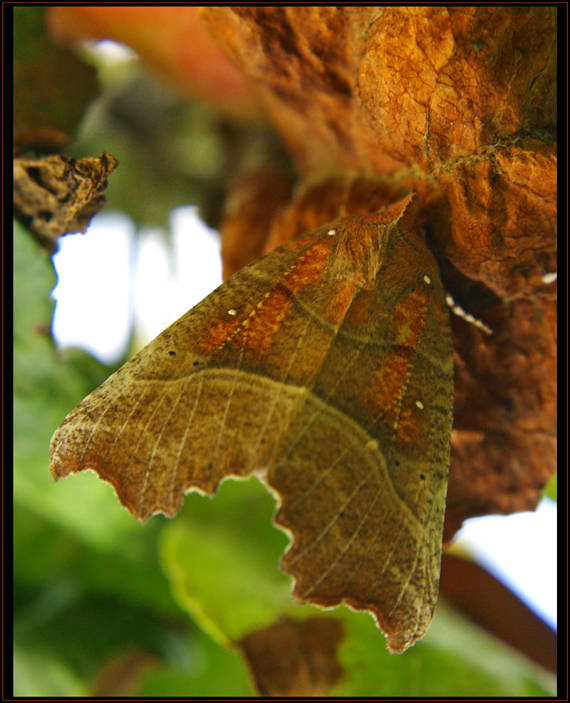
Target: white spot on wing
[{"x": 550, "y": 277}]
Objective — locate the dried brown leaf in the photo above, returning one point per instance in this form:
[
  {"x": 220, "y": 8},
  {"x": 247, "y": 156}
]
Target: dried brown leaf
[
  {"x": 295, "y": 657},
  {"x": 57, "y": 195},
  {"x": 456, "y": 104}
]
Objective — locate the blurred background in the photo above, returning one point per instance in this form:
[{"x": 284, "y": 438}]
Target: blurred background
[{"x": 103, "y": 606}]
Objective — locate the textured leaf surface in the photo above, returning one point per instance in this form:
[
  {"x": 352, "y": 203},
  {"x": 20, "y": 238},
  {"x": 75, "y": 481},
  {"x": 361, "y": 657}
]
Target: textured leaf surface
[
  {"x": 55, "y": 195},
  {"x": 456, "y": 104}
]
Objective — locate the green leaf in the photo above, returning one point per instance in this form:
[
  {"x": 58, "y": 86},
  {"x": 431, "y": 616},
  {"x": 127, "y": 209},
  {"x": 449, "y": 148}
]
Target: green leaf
[
  {"x": 208, "y": 669},
  {"x": 74, "y": 544},
  {"x": 224, "y": 569},
  {"x": 45, "y": 390},
  {"x": 455, "y": 659},
  {"x": 52, "y": 86},
  {"x": 221, "y": 557},
  {"x": 85, "y": 632},
  {"x": 550, "y": 490},
  {"x": 41, "y": 674},
  {"x": 47, "y": 553}
]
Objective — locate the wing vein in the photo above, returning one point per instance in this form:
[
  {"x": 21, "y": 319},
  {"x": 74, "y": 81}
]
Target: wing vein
[
  {"x": 278, "y": 393},
  {"x": 311, "y": 545},
  {"x": 345, "y": 549},
  {"x": 183, "y": 439}
]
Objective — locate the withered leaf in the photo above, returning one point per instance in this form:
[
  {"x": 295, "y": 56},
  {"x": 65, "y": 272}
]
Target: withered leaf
[
  {"x": 295, "y": 657},
  {"x": 327, "y": 369},
  {"x": 250, "y": 206},
  {"x": 458, "y": 105},
  {"x": 57, "y": 195}
]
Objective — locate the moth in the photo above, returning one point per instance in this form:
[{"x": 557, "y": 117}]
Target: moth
[{"x": 325, "y": 368}]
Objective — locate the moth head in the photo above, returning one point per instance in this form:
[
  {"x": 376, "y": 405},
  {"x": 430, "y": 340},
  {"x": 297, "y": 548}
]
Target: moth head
[{"x": 361, "y": 242}]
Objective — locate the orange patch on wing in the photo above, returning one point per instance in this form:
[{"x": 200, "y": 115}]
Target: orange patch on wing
[
  {"x": 388, "y": 387},
  {"x": 216, "y": 335},
  {"x": 265, "y": 321},
  {"x": 257, "y": 330},
  {"x": 386, "y": 392},
  {"x": 309, "y": 268},
  {"x": 340, "y": 301},
  {"x": 409, "y": 318},
  {"x": 294, "y": 244},
  {"x": 408, "y": 427},
  {"x": 361, "y": 310}
]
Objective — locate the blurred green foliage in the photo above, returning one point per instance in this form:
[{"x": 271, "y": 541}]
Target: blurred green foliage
[
  {"x": 551, "y": 488},
  {"x": 91, "y": 585},
  {"x": 52, "y": 87},
  {"x": 172, "y": 152}
]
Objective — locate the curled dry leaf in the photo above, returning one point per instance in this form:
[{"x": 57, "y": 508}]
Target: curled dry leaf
[
  {"x": 327, "y": 369},
  {"x": 121, "y": 674},
  {"x": 295, "y": 657},
  {"x": 57, "y": 195},
  {"x": 456, "y": 104},
  {"x": 182, "y": 51},
  {"x": 250, "y": 207}
]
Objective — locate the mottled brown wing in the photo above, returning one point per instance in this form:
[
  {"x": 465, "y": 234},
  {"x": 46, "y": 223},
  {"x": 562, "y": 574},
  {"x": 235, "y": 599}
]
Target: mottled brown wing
[{"x": 326, "y": 368}]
